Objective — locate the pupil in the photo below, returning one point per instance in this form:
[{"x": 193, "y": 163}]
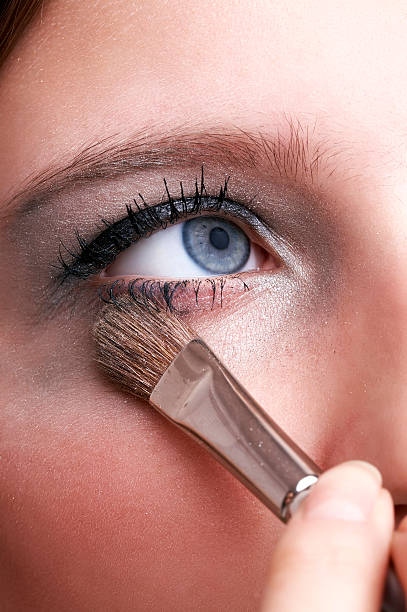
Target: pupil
[{"x": 219, "y": 238}]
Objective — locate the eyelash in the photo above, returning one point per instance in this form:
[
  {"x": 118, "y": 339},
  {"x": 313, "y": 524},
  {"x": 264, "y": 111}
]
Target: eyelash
[
  {"x": 166, "y": 293},
  {"x": 177, "y": 295},
  {"x": 92, "y": 257}
]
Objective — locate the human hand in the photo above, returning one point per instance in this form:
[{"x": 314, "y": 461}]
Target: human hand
[{"x": 335, "y": 551}]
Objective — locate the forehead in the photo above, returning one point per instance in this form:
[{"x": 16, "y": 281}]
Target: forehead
[{"x": 85, "y": 71}]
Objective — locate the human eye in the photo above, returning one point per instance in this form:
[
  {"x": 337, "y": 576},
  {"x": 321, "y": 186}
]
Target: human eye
[
  {"x": 199, "y": 247},
  {"x": 189, "y": 250}
]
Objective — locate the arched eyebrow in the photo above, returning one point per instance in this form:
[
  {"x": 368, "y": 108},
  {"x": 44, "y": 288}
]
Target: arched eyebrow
[{"x": 291, "y": 153}]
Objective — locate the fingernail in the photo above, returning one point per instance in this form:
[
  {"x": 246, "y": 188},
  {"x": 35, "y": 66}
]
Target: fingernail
[{"x": 346, "y": 492}]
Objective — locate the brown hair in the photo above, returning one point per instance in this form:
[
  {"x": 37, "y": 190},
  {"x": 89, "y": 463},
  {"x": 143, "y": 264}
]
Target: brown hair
[{"x": 15, "y": 15}]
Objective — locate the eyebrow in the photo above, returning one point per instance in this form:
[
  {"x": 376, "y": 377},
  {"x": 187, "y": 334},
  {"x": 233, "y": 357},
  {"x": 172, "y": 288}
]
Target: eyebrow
[{"x": 291, "y": 153}]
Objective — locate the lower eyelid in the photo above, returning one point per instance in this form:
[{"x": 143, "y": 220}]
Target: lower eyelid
[{"x": 185, "y": 297}]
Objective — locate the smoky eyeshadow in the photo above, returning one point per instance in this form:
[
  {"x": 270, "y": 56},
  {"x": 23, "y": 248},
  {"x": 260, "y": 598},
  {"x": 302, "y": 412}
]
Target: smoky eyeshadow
[{"x": 293, "y": 222}]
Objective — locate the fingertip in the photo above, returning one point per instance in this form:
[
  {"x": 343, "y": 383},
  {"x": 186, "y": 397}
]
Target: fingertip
[
  {"x": 366, "y": 467},
  {"x": 347, "y": 491},
  {"x": 383, "y": 516},
  {"x": 355, "y": 467}
]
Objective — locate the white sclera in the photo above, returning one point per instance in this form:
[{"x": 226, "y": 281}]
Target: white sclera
[{"x": 163, "y": 255}]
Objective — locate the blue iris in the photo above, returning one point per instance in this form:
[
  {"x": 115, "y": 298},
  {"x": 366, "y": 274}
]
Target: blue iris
[{"x": 217, "y": 245}]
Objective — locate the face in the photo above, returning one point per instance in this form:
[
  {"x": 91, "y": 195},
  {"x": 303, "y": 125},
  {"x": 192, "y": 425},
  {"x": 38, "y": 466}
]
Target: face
[{"x": 103, "y": 504}]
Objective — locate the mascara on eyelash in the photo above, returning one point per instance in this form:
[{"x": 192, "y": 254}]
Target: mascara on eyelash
[
  {"x": 140, "y": 223},
  {"x": 177, "y": 296}
]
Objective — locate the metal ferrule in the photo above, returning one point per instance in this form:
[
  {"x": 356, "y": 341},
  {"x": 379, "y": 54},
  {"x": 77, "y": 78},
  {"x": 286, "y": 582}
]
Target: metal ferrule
[{"x": 199, "y": 394}]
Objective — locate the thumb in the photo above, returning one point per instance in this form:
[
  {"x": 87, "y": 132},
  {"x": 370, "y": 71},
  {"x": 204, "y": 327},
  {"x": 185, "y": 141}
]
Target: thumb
[{"x": 334, "y": 553}]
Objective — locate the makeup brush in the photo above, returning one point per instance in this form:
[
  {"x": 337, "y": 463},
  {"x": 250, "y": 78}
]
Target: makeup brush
[{"x": 155, "y": 356}]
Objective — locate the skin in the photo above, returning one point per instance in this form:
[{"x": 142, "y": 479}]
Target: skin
[{"x": 103, "y": 504}]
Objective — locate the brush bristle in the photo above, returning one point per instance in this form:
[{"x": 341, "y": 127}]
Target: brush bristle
[{"x": 136, "y": 342}]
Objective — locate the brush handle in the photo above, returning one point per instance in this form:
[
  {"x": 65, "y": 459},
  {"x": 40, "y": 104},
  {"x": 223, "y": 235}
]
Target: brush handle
[{"x": 199, "y": 394}]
